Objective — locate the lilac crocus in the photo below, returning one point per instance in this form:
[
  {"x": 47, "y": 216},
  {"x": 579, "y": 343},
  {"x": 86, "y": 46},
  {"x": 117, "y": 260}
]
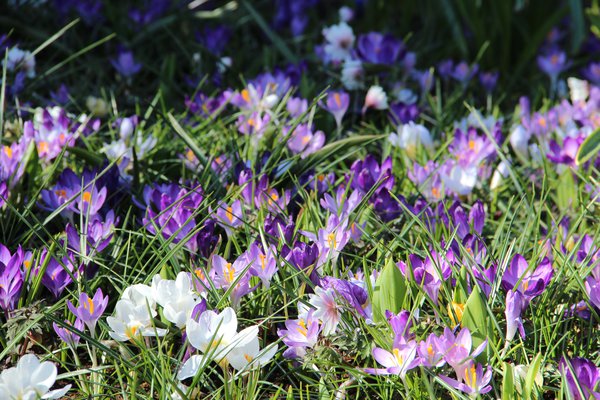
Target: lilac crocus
[
  {"x": 337, "y": 104},
  {"x": 399, "y": 361},
  {"x": 125, "y": 64},
  {"x": 300, "y": 334},
  {"x": 58, "y": 275},
  {"x": 592, "y": 72},
  {"x": 431, "y": 352},
  {"x": 514, "y": 308},
  {"x": 263, "y": 263},
  {"x": 303, "y": 140},
  {"x": 567, "y": 153},
  {"x": 90, "y": 309},
  {"x": 592, "y": 288},
  {"x": 229, "y": 216},
  {"x": 11, "y": 278},
  {"x": 471, "y": 379},
  {"x": 98, "y": 236},
  {"x": 401, "y": 324},
  {"x": 303, "y": 257},
  {"x": 232, "y": 276},
  {"x": 582, "y": 376},
  {"x": 530, "y": 282},
  {"x": 330, "y": 240},
  {"x": 67, "y": 335},
  {"x": 488, "y": 80},
  {"x": 458, "y": 349},
  {"x": 553, "y": 63},
  {"x": 463, "y": 73},
  {"x": 356, "y": 296}
]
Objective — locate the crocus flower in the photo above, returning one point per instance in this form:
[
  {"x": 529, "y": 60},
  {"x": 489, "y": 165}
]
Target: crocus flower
[
  {"x": 90, "y": 309},
  {"x": 592, "y": 288},
  {"x": 431, "y": 352},
  {"x": 530, "y": 282},
  {"x": 458, "y": 352},
  {"x": 514, "y": 308},
  {"x": 354, "y": 295},
  {"x": 463, "y": 73},
  {"x": 471, "y": 379},
  {"x": 368, "y": 173},
  {"x": 304, "y": 257},
  {"x": 410, "y": 137},
  {"x": 337, "y": 104},
  {"x": 339, "y": 40},
  {"x": 397, "y": 362},
  {"x": 177, "y": 298},
  {"x": 99, "y": 235},
  {"x": 11, "y": 277},
  {"x": 131, "y": 321},
  {"x": 229, "y": 216},
  {"x": 582, "y": 376},
  {"x": 353, "y": 74},
  {"x": 488, "y": 80},
  {"x": 234, "y": 274},
  {"x": 376, "y": 99},
  {"x": 20, "y": 59},
  {"x": 264, "y": 263},
  {"x": 58, "y": 275},
  {"x": 303, "y": 140},
  {"x": 67, "y": 335},
  {"x": 376, "y": 48},
  {"x": 125, "y": 64},
  {"x": 327, "y": 309},
  {"x": 51, "y": 130},
  {"x": 300, "y": 334},
  {"x": 216, "y": 336},
  {"x": 553, "y": 63},
  {"x": 30, "y": 379},
  {"x": 592, "y": 72}
]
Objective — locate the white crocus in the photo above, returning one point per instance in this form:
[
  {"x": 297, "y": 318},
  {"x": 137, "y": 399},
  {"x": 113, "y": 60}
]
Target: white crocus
[
  {"x": 30, "y": 380},
  {"x": 375, "y": 98},
  {"x": 216, "y": 336},
  {"x": 352, "y": 74},
  {"x": 177, "y": 298},
  {"x": 461, "y": 180},
  {"x": 140, "y": 294},
  {"x": 17, "y": 58},
  {"x": 339, "y": 41},
  {"x": 131, "y": 320},
  {"x": 410, "y": 136},
  {"x": 519, "y": 140}
]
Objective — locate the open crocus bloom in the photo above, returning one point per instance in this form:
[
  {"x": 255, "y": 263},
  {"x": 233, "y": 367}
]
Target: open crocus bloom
[
  {"x": 132, "y": 320},
  {"x": 216, "y": 336},
  {"x": 398, "y": 361},
  {"x": 177, "y": 298},
  {"x": 30, "y": 380}
]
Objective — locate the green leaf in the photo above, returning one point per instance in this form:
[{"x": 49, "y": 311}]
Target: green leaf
[
  {"x": 475, "y": 317},
  {"x": 508, "y": 383},
  {"x": 566, "y": 191},
  {"x": 589, "y": 148},
  {"x": 534, "y": 368},
  {"x": 577, "y": 24},
  {"x": 389, "y": 292}
]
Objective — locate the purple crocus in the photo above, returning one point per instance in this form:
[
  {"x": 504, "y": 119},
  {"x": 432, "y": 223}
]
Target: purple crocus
[
  {"x": 330, "y": 240},
  {"x": 376, "y": 48},
  {"x": 431, "y": 352},
  {"x": 303, "y": 140},
  {"x": 125, "y": 64},
  {"x": 530, "y": 282},
  {"x": 368, "y": 173},
  {"x": 463, "y": 73},
  {"x": 300, "y": 334},
  {"x": 263, "y": 263},
  {"x": 67, "y": 335},
  {"x": 582, "y": 376},
  {"x": 232, "y": 276},
  {"x": 90, "y": 309},
  {"x": 567, "y": 153},
  {"x": 458, "y": 352},
  {"x": 592, "y": 72},
  {"x": 354, "y": 295},
  {"x": 11, "y": 277},
  {"x": 98, "y": 236},
  {"x": 229, "y": 216},
  {"x": 337, "y": 104},
  {"x": 58, "y": 275},
  {"x": 592, "y": 288},
  {"x": 488, "y": 80},
  {"x": 514, "y": 308},
  {"x": 471, "y": 379},
  {"x": 303, "y": 257},
  {"x": 552, "y": 63},
  {"x": 399, "y": 361}
]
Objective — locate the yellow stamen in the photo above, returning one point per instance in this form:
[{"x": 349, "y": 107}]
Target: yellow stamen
[
  {"x": 248, "y": 357},
  {"x": 190, "y": 155},
  {"x": 131, "y": 331},
  {"x": 331, "y": 240},
  {"x": 262, "y": 261},
  {"x": 471, "y": 376},
  {"x": 89, "y": 306},
  {"x": 86, "y": 197},
  {"x": 338, "y": 99},
  {"x": 229, "y": 272},
  {"x": 302, "y": 330},
  {"x": 229, "y": 214},
  {"x": 199, "y": 274},
  {"x": 8, "y": 151},
  {"x": 61, "y": 193},
  {"x": 246, "y": 95},
  {"x": 42, "y": 147},
  {"x": 471, "y": 145},
  {"x": 27, "y": 264},
  {"x": 398, "y": 356},
  {"x": 430, "y": 350},
  {"x": 305, "y": 139}
]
